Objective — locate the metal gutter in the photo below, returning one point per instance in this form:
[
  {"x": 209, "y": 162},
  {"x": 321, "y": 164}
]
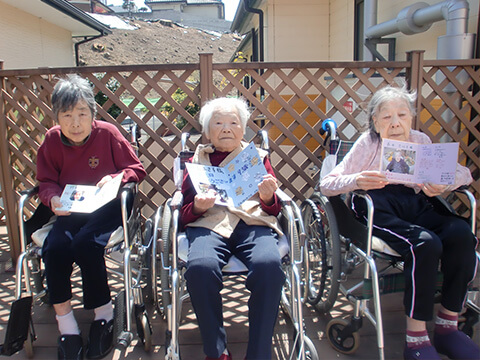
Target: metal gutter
[{"x": 79, "y": 15}]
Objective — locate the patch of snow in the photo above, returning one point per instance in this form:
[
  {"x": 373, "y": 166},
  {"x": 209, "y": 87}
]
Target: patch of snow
[{"x": 113, "y": 22}]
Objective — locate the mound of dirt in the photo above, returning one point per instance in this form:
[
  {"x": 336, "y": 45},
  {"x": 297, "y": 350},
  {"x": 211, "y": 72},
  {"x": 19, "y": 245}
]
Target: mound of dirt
[{"x": 157, "y": 42}]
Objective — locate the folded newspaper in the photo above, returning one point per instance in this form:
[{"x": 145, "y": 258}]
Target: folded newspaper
[
  {"x": 88, "y": 198},
  {"x": 234, "y": 183},
  {"x": 405, "y": 162}
]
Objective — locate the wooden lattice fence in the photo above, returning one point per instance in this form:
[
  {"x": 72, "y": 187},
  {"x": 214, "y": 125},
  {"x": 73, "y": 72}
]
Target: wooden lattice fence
[{"x": 290, "y": 100}]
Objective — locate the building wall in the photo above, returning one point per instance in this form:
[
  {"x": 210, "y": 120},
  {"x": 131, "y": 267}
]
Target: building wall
[
  {"x": 165, "y": 6},
  {"x": 297, "y": 30},
  {"x": 207, "y": 11},
  {"x": 30, "y": 42},
  {"x": 341, "y": 30}
]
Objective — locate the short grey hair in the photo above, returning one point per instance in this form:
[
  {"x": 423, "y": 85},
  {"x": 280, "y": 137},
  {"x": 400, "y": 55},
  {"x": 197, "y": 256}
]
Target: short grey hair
[
  {"x": 223, "y": 104},
  {"x": 69, "y": 91},
  {"x": 386, "y": 94}
]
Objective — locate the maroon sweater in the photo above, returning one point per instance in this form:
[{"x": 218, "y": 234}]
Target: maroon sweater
[
  {"x": 106, "y": 152},
  {"x": 188, "y": 191}
]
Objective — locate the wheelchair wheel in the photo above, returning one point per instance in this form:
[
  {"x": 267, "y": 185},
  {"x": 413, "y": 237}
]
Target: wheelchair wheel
[
  {"x": 346, "y": 343},
  {"x": 323, "y": 249},
  {"x": 287, "y": 298},
  {"x": 310, "y": 350},
  {"x": 150, "y": 289},
  {"x": 165, "y": 258},
  {"x": 144, "y": 331}
]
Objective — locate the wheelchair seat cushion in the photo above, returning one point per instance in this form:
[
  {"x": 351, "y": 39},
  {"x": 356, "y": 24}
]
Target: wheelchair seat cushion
[
  {"x": 381, "y": 246},
  {"x": 40, "y": 235},
  {"x": 234, "y": 265}
]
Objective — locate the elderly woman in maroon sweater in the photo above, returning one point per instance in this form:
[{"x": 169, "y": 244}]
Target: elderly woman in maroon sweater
[
  {"x": 81, "y": 150},
  {"x": 217, "y": 232}
]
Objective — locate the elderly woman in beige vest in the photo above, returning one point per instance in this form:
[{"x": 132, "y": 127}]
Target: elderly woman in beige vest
[{"x": 216, "y": 232}]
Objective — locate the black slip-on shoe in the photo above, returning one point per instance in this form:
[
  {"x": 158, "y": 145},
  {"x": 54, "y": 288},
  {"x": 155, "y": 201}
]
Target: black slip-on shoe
[
  {"x": 70, "y": 347},
  {"x": 100, "y": 339}
]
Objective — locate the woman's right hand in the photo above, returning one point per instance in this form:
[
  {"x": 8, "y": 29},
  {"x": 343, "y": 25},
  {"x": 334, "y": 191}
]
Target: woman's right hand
[
  {"x": 56, "y": 203},
  {"x": 203, "y": 202},
  {"x": 369, "y": 180}
]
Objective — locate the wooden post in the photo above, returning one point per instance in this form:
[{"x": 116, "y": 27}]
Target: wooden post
[
  {"x": 206, "y": 77},
  {"x": 7, "y": 183},
  {"x": 415, "y": 80}
]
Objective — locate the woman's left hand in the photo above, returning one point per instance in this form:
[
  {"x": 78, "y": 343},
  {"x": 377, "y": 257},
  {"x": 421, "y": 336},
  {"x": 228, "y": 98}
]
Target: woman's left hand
[
  {"x": 267, "y": 188},
  {"x": 432, "y": 190},
  {"x": 104, "y": 180}
]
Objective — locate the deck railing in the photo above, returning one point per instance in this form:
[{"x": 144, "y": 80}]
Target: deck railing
[{"x": 290, "y": 100}]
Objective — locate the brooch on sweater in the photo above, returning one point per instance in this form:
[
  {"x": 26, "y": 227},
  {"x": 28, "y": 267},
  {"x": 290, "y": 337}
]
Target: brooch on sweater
[{"x": 93, "y": 162}]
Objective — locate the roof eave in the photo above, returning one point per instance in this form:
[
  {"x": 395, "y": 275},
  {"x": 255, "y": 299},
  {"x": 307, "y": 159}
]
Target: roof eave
[{"x": 79, "y": 15}]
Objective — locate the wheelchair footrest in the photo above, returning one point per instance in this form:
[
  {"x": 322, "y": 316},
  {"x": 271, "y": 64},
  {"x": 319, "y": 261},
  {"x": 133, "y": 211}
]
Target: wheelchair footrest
[
  {"x": 18, "y": 326},
  {"x": 119, "y": 315}
]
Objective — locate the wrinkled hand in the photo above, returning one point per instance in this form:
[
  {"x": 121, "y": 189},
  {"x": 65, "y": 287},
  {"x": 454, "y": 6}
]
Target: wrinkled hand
[
  {"x": 432, "y": 190},
  {"x": 104, "y": 180},
  {"x": 266, "y": 189},
  {"x": 369, "y": 180},
  {"x": 56, "y": 203},
  {"x": 203, "y": 202}
]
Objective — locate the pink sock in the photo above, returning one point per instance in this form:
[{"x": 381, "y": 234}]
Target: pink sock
[
  {"x": 417, "y": 339},
  {"x": 445, "y": 324}
]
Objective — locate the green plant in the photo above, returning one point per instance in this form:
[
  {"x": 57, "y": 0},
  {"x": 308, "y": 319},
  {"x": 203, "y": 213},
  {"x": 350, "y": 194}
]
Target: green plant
[
  {"x": 101, "y": 98},
  {"x": 192, "y": 108}
]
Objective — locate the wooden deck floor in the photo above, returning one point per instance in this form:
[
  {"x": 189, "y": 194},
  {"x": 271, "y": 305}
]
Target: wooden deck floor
[{"x": 236, "y": 323}]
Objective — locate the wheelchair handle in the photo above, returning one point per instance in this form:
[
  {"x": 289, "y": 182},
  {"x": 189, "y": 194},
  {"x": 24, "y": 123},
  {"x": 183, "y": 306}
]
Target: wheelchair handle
[
  {"x": 264, "y": 136},
  {"x": 329, "y": 126},
  {"x": 184, "y": 138}
]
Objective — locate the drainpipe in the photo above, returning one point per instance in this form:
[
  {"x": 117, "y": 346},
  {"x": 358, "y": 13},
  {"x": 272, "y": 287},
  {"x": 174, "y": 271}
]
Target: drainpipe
[
  {"x": 456, "y": 44},
  {"x": 370, "y": 20},
  {"x": 259, "y": 12},
  {"x": 77, "y": 45},
  {"x": 419, "y": 17}
]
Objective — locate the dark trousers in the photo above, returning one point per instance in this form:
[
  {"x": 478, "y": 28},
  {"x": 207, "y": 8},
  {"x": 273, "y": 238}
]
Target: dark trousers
[
  {"x": 425, "y": 237},
  {"x": 80, "y": 238},
  {"x": 256, "y": 247}
]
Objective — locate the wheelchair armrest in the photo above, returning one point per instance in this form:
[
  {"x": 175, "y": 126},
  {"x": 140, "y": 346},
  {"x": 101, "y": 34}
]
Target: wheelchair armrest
[
  {"x": 177, "y": 201},
  {"x": 30, "y": 192},
  {"x": 130, "y": 186},
  {"x": 283, "y": 197},
  {"x": 473, "y": 205},
  {"x": 370, "y": 210}
]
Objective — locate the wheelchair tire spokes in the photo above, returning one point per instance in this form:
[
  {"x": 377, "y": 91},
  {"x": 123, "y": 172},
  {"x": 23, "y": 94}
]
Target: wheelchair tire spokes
[
  {"x": 150, "y": 289},
  {"x": 324, "y": 254},
  {"x": 165, "y": 260}
]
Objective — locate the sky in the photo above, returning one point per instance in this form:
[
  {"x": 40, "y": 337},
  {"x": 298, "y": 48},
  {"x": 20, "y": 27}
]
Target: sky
[{"x": 230, "y": 6}]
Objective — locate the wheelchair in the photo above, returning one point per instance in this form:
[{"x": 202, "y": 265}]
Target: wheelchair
[
  {"x": 173, "y": 250},
  {"x": 337, "y": 244},
  {"x": 128, "y": 255}
]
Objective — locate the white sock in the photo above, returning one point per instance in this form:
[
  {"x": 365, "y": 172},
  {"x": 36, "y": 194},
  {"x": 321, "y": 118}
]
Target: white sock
[
  {"x": 67, "y": 325},
  {"x": 104, "y": 312}
]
